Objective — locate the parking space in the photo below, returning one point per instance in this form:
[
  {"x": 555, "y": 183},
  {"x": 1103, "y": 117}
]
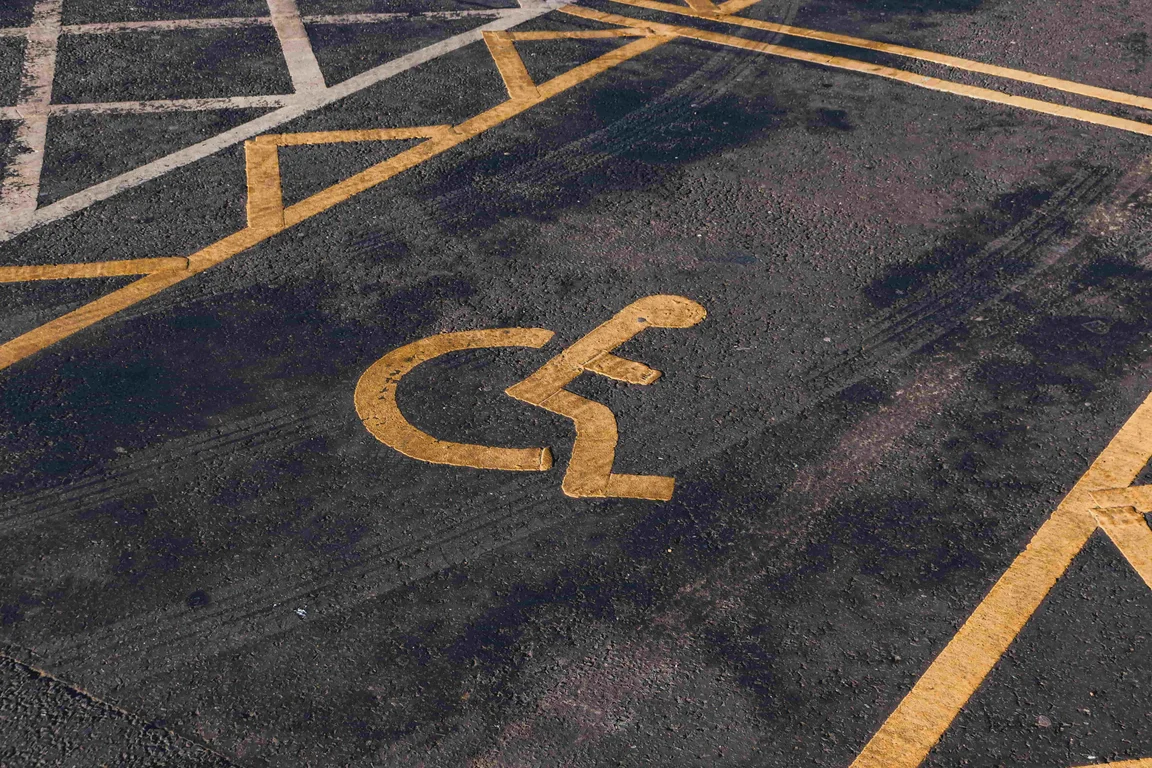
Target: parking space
[{"x": 624, "y": 383}]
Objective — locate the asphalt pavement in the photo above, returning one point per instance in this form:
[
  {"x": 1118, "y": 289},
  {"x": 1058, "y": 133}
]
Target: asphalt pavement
[{"x": 269, "y": 269}]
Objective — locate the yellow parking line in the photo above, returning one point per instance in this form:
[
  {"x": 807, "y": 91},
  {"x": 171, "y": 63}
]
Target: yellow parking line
[
  {"x": 1130, "y": 533},
  {"x": 93, "y": 269},
  {"x": 852, "y": 65},
  {"x": 918, "y": 722},
  {"x": 582, "y": 35},
  {"x": 267, "y": 216},
  {"x": 1069, "y": 86},
  {"x": 343, "y": 137},
  {"x": 516, "y": 78}
]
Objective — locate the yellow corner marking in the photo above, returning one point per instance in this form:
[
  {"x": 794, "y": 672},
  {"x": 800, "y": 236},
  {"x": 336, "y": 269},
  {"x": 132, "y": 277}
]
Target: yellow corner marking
[
  {"x": 262, "y": 163},
  {"x": 1145, "y": 763},
  {"x": 516, "y": 78},
  {"x": 1129, "y": 531},
  {"x": 918, "y": 722},
  {"x": 956, "y": 62},
  {"x": 852, "y": 65},
  {"x": 1138, "y": 497},
  {"x": 590, "y": 468},
  {"x": 376, "y": 402},
  {"x": 93, "y": 269}
]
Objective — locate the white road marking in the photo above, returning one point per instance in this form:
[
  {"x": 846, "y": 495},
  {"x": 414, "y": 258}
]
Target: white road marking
[
  {"x": 165, "y": 25},
  {"x": 301, "y": 60},
  {"x": 304, "y": 104},
  {"x": 174, "y": 105},
  {"x": 370, "y": 18},
  {"x": 234, "y": 22},
  {"x": 21, "y": 185}
]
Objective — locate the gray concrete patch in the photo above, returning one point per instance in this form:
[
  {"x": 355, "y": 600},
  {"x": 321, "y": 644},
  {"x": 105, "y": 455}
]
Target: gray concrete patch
[{"x": 132, "y": 66}]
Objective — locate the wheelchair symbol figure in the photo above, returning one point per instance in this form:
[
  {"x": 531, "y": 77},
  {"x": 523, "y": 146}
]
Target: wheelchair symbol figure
[{"x": 589, "y": 471}]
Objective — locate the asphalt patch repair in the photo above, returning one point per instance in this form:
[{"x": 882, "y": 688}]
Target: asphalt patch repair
[{"x": 882, "y": 435}]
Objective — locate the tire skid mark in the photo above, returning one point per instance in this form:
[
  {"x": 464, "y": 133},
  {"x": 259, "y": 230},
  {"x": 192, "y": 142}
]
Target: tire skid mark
[
  {"x": 135, "y": 473},
  {"x": 708, "y": 84},
  {"x": 941, "y": 305},
  {"x": 242, "y": 616}
]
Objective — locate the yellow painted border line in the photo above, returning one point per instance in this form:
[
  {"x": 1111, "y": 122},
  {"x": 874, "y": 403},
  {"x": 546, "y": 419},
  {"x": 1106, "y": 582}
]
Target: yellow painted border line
[
  {"x": 512, "y": 70},
  {"x": 918, "y": 722},
  {"x": 64, "y": 326},
  {"x": 890, "y": 73},
  {"x": 93, "y": 269},
  {"x": 956, "y": 62}
]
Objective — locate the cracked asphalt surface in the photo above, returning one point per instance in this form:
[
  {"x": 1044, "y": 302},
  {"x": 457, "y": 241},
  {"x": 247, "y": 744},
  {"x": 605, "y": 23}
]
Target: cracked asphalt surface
[{"x": 927, "y": 315}]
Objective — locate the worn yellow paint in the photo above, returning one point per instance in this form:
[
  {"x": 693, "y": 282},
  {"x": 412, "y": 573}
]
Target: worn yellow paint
[
  {"x": 1145, "y": 763},
  {"x": 918, "y": 722},
  {"x": 592, "y": 34},
  {"x": 376, "y": 402},
  {"x": 120, "y": 268},
  {"x": 852, "y": 65},
  {"x": 347, "y": 137},
  {"x": 590, "y": 468},
  {"x": 265, "y": 205},
  {"x": 1138, "y": 497},
  {"x": 512, "y": 70},
  {"x": 956, "y": 62}
]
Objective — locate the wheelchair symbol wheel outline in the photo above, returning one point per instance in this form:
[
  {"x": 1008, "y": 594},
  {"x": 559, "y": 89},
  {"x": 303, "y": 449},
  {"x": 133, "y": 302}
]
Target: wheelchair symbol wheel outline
[{"x": 589, "y": 473}]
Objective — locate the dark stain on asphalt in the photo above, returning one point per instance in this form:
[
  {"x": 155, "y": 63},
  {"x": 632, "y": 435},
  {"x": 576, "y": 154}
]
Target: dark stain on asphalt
[
  {"x": 963, "y": 242},
  {"x": 828, "y": 121},
  {"x": 1136, "y": 45}
]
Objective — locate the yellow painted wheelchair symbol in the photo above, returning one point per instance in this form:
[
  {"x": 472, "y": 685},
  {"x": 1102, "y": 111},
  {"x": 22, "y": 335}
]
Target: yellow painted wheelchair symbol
[{"x": 590, "y": 468}]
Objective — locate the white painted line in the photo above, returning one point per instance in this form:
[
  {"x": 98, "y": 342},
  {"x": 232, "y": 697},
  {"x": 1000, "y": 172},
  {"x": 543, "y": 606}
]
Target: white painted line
[
  {"x": 21, "y": 185},
  {"x": 372, "y": 18},
  {"x": 9, "y": 113},
  {"x": 230, "y": 22},
  {"x": 166, "y": 25},
  {"x": 302, "y": 64},
  {"x": 265, "y": 123},
  {"x": 173, "y": 105}
]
